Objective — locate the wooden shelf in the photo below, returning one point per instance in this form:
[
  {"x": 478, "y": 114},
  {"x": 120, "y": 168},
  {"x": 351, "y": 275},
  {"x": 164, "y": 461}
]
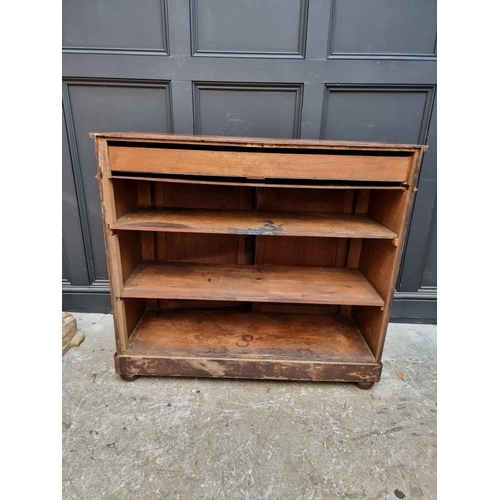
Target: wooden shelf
[
  {"x": 253, "y": 223},
  {"x": 218, "y": 334},
  {"x": 274, "y": 183},
  {"x": 298, "y": 285}
]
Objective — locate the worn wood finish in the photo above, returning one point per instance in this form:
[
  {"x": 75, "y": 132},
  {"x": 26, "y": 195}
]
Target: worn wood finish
[
  {"x": 253, "y": 223},
  {"x": 261, "y": 142},
  {"x": 315, "y": 371},
  {"x": 110, "y": 242},
  {"x": 259, "y": 165},
  {"x": 202, "y": 287},
  {"x": 108, "y": 203},
  {"x": 381, "y": 261},
  {"x": 121, "y": 325},
  {"x": 250, "y": 335},
  {"x": 251, "y": 283}
]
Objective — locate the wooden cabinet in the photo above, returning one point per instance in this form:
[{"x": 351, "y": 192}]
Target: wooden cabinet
[{"x": 253, "y": 258}]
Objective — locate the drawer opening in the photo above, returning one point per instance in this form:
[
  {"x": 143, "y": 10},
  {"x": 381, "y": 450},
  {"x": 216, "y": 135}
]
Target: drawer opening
[{"x": 261, "y": 149}]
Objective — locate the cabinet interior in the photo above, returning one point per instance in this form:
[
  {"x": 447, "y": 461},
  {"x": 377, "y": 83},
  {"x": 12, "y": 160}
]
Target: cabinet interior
[
  {"x": 253, "y": 258},
  {"x": 354, "y": 229}
]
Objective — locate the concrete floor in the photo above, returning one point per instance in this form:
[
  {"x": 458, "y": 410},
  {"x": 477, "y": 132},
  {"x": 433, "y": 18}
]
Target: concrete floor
[{"x": 160, "y": 438}]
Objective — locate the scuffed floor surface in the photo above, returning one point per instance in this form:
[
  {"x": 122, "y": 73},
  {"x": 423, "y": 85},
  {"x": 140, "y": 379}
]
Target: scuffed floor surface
[{"x": 160, "y": 438}]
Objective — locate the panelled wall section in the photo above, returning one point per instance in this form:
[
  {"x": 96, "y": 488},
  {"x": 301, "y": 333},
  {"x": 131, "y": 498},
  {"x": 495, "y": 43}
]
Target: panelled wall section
[{"x": 314, "y": 69}]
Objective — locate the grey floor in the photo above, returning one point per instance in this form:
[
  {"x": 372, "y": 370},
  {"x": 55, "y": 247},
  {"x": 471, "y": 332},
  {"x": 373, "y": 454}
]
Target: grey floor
[{"x": 160, "y": 438}]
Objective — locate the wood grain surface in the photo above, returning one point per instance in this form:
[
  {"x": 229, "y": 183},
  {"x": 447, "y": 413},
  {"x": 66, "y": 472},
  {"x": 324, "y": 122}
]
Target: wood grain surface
[
  {"x": 253, "y": 223},
  {"x": 259, "y": 165},
  {"x": 299, "y": 285},
  {"x": 255, "y": 335},
  {"x": 263, "y": 142}
]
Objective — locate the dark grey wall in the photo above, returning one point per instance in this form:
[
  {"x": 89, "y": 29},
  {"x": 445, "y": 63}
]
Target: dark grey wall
[{"x": 331, "y": 69}]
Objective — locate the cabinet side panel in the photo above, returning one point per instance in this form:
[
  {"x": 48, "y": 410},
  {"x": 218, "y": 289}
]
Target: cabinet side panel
[
  {"x": 112, "y": 250},
  {"x": 377, "y": 263},
  {"x": 370, "y": 321},
  {"x": 380, "y": 260},
  {"x": 105, "y": 184},
  {"x": 128, "y": 313},
  {"x": 134, "y": 309},
  {"x": 125, "y": 196},
  {"x": 130, "y": 252},
  {"x": 388, "y": 208}
]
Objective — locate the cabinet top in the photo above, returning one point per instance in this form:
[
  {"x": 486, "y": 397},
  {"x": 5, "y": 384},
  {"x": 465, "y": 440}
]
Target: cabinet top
[{"x": 254, "y": 141}]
